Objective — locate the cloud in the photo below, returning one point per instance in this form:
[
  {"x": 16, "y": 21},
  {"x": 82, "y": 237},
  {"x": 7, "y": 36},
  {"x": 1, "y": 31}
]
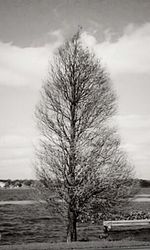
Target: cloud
[
  {"x": 134, "y": 121},
  {"x": 129, "y": 54},
  {"x": 11, "y": 140},
  {"x": 135, "y": 133},
  {"x": 17, "y": 154},
  {"x": 29, "y": 65},
  {"x": 15, "y": 148},
  {"x": 26, "y": 66},
  {"x": 17, "y": 169},
  {"x": 128, "y": 61}
]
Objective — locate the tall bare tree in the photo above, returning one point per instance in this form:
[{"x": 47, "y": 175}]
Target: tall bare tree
[{"x": 79, "y": 159}]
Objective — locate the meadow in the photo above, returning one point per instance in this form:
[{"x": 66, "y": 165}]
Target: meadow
[
  {"x": 16, "y": 194},
  {"x": 33, "y": 223}
]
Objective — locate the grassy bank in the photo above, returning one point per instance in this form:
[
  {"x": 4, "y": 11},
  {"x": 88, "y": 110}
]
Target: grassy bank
[{"x": 93, "y": 245}]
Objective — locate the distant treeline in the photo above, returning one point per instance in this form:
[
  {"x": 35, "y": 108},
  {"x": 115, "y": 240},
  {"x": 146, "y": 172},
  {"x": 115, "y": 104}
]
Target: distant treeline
[
  {"x": 18, "y": 183},
  {"x": 31, "y": 183}
]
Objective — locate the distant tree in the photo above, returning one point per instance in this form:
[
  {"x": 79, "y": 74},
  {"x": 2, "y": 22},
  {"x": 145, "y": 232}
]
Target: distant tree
[
  {"x": 7, "y": 183},
  {"x": 144, "y": 183},
  {"x": 79, "y": 159},
  {"x": 27, "y": 182},
  {"x": 17, "y": 183}
]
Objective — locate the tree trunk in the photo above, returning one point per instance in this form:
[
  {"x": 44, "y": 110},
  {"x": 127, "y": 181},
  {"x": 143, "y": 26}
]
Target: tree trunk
[{"x": 71, "y": 228}]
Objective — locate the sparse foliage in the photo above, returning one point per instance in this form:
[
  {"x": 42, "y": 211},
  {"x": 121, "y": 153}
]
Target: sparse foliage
[{"x": 79, "y": 160}]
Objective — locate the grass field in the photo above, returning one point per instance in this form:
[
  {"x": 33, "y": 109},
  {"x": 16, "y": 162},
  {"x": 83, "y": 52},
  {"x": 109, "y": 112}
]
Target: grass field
[
  {"x": 33, "y": 223},
  {"x": 16, "y": 194},
  {"x": 29, "y": 223},
  {"x": 144, "y": 191}
]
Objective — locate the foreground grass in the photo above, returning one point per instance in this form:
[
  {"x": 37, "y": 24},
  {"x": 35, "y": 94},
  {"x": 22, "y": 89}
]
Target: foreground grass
[
  {"x": 92, "y": 245},
  {"x": 27, "y": 223}
]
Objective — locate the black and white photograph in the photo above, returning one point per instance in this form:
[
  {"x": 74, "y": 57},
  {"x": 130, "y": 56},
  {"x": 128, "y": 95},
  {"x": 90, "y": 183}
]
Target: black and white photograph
[{"x": 74, "y": 124}]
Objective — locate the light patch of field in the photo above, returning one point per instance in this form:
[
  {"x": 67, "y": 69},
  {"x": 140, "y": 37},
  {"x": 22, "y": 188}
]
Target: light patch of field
[
  {"x": 24, "y": 202},
  {"x": 142, "y": 199}
]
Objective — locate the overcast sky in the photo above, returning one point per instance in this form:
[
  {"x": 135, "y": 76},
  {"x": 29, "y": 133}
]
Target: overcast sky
[{"x": 30, "y": 30}]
